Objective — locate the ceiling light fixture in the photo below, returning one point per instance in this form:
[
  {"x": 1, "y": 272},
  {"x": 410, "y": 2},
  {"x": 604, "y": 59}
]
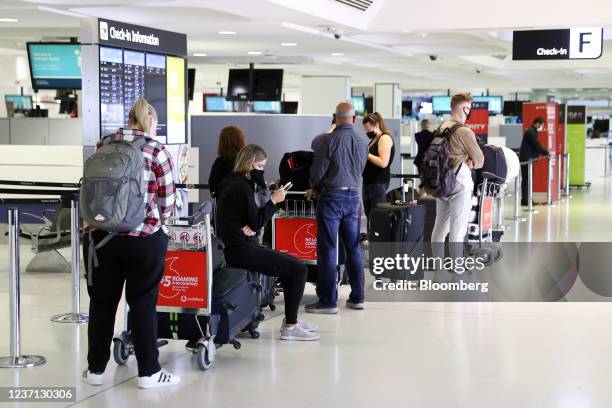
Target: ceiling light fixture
[
  {"x": 289, "y": 44},
  {"x": 227, "y": 32},
  {"x": 254, "y": 52},
  {"x": 200, "y": 54},
  {"x": 337, "y": 54},
  {"x": 9, "y": 20}
]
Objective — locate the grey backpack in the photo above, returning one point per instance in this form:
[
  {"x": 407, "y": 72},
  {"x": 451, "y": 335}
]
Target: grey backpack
[{"x": 112, "y": 188}]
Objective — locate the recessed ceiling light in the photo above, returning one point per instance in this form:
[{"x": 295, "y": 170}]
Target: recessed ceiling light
[
  {"x": 337, "y": 54},
  {"x": 227, "y": 32},
  {"x": 9, "y": 20},
  {"x": 254, "y": 52},
  {"x": 289, "y": 44},
  {"x": 200, "y": 54}
]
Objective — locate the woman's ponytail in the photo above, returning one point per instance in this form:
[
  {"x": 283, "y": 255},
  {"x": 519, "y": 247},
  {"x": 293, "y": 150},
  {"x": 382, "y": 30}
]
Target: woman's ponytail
[{"x": 140, "y": 113}]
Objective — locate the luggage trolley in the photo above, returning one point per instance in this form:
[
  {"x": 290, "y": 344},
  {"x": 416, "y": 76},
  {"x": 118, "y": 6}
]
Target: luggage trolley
[
  {"x": 483, "y": 240},
  {"x": 185, "y": 292},
  {"x": 294, "y": 232}
]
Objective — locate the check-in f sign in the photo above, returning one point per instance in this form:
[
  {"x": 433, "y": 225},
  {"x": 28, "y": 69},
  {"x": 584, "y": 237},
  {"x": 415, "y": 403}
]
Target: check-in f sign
[{"x": 586, "y": 42}]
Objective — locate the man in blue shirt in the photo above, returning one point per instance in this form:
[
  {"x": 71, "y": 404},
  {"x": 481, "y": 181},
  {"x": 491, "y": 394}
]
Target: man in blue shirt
[{"x": 335, "y": 177}]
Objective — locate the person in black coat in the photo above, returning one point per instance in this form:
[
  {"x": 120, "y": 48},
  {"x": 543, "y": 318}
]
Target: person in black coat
[
  {"x": 231, "y": 140},
  {"x": 423, "y": 140},
  {"x": 239, "y": 221},
  {"x": 531, "y": 148}
]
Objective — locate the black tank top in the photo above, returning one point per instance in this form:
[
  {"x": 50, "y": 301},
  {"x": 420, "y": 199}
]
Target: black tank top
[{"x": 374, "y": 174}]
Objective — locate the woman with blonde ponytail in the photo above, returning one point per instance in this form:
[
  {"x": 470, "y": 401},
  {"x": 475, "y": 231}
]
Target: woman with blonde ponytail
[{"x": 135, "y": 257}]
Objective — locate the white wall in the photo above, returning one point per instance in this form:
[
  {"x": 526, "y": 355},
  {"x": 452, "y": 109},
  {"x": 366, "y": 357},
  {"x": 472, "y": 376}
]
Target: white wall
[{"x": 321, "y": 94}]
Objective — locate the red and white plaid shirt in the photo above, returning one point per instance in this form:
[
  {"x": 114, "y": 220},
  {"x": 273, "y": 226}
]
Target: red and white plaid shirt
[{"x": 158, "y": 179}]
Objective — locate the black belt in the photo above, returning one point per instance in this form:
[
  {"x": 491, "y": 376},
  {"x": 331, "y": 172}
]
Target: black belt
[{"x": 334, "y": 189}]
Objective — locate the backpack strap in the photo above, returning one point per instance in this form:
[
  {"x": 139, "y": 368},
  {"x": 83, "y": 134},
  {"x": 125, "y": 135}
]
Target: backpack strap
[{"x": 92, "y": 256}]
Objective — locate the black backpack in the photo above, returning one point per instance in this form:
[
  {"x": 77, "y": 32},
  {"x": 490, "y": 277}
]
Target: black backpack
[
  {"x": 436, "y": 173},
  {"x": 295, "y": 167}
]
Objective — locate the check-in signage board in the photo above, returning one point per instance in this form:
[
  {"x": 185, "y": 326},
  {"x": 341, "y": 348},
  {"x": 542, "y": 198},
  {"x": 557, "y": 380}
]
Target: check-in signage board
[{"x": 567, "y": 44}]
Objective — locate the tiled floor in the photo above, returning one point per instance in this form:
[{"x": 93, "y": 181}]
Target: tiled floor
[{"x": 390, "y": 355}]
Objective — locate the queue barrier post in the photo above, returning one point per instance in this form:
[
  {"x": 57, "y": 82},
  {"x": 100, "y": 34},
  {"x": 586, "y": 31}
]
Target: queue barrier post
[
  {"x": 16, "y": 360},
  {"x": 530, "y": 186},
  {"x": 567, "y": 174},
  {"x": 75, "y": 234},
  {"x": 517, "y": 199},
  {"x": 559, "y": 174},
  {"x": 606, "y": 160}
]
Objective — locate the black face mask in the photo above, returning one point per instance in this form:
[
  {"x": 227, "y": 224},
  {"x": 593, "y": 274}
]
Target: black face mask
[
  {"x": 371, "y": 135},
  {"x": 257, "y": 176}
]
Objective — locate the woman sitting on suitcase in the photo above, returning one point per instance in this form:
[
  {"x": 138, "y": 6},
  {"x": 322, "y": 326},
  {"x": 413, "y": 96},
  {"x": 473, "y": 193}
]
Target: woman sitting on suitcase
[{"x": 239, "y": 220}]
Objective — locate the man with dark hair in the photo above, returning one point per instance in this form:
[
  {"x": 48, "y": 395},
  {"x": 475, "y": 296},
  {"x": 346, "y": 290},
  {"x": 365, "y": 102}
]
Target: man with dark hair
[{"x": 530, "y": 149}]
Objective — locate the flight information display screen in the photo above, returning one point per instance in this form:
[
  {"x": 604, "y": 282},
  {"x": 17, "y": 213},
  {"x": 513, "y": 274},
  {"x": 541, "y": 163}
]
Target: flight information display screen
[{"x": 127, "y": 75}]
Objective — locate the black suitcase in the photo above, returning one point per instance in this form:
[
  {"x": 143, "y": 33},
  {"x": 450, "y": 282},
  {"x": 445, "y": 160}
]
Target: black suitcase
[
  {"x": 236, "y": 299},
  {"x": 269, "y": 291},
  {"x": 295, "y": 167},
  {"x": 396, "y": 229}
]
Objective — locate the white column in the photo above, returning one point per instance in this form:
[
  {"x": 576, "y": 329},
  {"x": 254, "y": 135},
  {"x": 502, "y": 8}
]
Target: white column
[
  {"x": 388, "y": 100},
  {"x": 321, "y": 94}
]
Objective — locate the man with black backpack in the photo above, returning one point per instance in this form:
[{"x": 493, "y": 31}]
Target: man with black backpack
[{"x": 446, "y": 173}]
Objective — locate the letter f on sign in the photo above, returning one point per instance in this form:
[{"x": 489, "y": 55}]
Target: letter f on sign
[{"x": 586, "y": 43}]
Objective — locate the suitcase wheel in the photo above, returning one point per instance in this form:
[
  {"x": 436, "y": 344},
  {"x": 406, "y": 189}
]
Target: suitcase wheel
[
  {"x": 204, "y": 357},
  {"x": 120, "y": 352}
]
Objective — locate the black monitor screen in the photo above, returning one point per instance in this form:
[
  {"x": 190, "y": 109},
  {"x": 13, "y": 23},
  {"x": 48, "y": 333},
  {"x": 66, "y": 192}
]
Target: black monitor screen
[
  {"x": 238, "y": 85},
  {"x": 191, "y": 82},
  {"x": 289, "y": 107},
  {"x": 513, "y": 108}
]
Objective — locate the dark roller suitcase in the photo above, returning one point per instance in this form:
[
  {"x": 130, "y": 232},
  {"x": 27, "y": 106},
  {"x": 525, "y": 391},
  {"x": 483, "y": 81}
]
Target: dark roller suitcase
[
  {"x": 494, "y": 162},
  {"x": 236, "y": 300},
  {"x": 396, "y": 229}
]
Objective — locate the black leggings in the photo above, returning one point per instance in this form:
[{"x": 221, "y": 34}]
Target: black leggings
[
  {"x": 139, "y": 263},
  {"x": 291, "y": 272}
]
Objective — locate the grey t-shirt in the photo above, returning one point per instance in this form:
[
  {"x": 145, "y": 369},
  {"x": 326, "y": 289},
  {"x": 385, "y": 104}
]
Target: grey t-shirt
[{"x": 339, "y": 160}]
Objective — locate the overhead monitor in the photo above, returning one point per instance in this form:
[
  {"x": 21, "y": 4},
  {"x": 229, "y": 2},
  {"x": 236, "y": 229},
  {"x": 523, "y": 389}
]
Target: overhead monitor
[
  {"x": 20, "y": 102},
  {"x": 267, "y": 106},
  {"x": 359, "y": 104},
  {"x": 216, "y": 104},
  {"x": 267, "y": 85},
  {"x": 191, "y": 72},
  {"x": 442, "y": 104},
  {"x": 55, "y": 65}
]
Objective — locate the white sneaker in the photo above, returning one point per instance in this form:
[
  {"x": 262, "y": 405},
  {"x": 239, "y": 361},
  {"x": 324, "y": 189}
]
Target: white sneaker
[
  {"x": 92, "y": 378},
  {"x": 304, "y": 325},
  {"x": 161, "y": 378},
  {"x": 297, "y": 333}
]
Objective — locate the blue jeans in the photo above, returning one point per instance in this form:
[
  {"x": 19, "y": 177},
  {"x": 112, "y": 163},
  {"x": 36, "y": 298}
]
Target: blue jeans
[{"x": 338, "y": 214}]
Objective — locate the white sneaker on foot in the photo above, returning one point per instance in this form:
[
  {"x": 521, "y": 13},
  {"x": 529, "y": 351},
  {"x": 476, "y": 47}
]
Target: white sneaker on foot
[
  {"x": 92, "y": 378},
  {"x": 297, "y": 333},
  {"x": 304, "y": 325},
  {"x": 161, "y": 378}
]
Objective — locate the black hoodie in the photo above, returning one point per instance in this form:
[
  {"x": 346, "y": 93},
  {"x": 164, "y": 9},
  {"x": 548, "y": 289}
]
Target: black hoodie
[{"x": 236, "y": 208}]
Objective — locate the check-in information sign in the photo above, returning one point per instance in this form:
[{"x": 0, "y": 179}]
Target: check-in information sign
[{"x": 574, "y": 43}]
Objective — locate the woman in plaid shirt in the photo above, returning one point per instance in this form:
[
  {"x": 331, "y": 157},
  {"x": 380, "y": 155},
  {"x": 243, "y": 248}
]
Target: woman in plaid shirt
[{"x": 137, "y": 258}]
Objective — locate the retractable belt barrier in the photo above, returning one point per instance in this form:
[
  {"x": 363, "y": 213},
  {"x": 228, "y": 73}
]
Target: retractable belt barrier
[{"x": 75, "y": 235}]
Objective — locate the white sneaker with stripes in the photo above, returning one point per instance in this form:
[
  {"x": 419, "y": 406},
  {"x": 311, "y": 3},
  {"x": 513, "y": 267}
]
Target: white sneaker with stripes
[{"x": 161, "y": 378}]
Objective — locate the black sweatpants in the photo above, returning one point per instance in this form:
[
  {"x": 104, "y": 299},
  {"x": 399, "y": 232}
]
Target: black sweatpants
[
  {"x": 291, "y": 272},
  {"x": 139, "y": 262}
]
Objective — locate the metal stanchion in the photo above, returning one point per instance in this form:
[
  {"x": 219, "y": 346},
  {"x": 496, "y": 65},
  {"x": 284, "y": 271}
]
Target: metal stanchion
[
  {"x": 549, "y": 181},
  {"x": 559, "y": 174},
  {"x": 567, "y": 175},
  {"x": 75, "y": 234},
  {"x": 606, "y": 161},
  {"x": 517, "y": 200},
  {"x": 530, "y": 187},
  {"x": 16, "y": 360}
]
